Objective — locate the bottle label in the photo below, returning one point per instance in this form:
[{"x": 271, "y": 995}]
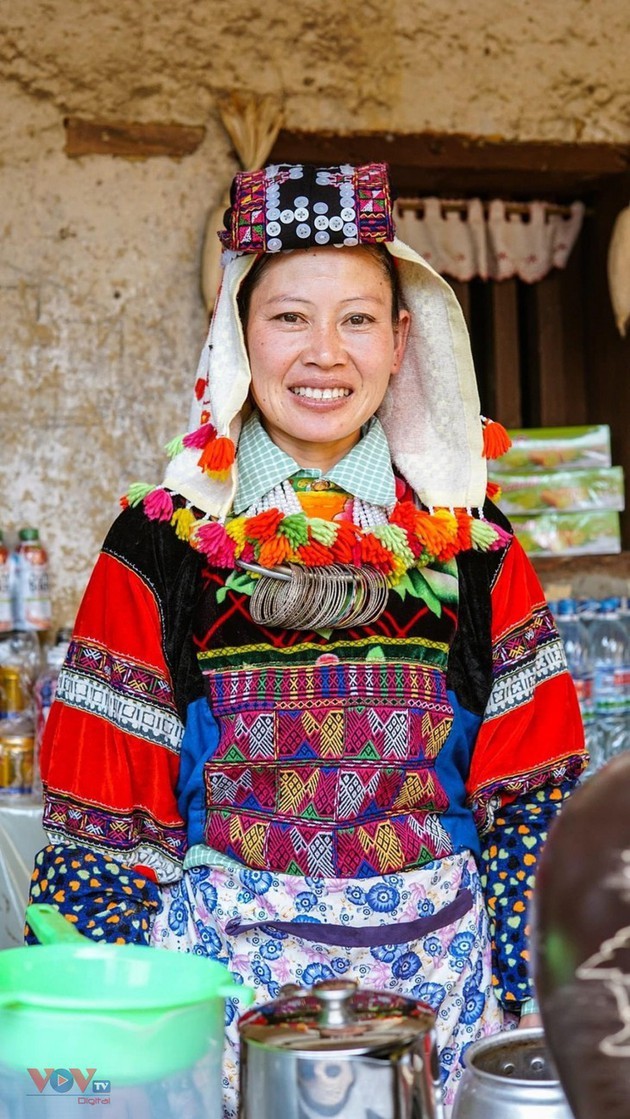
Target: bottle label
[
  {"x": 612, "y": 690},
  {"x": 31, "y": 593},
  {"x": 584, "y": 689},
  {"x": 6, "y": 613}
]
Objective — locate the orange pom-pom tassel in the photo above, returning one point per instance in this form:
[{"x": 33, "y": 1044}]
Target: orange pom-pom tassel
[
  {"x": 217, "y": 456},
  {"x": 263, "y": 526},
  {"x": 274, "y": 552},
  {"x": 493, "y": 491},
  {"x": 496, "y": 440}
]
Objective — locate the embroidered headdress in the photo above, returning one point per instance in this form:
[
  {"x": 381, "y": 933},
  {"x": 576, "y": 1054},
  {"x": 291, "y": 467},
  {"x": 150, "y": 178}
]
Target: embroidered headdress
[{"x": 430, "y": 413}]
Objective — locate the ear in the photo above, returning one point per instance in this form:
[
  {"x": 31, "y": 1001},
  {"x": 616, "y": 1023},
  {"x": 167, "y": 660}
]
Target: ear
[{"x": 401, "y": 334}]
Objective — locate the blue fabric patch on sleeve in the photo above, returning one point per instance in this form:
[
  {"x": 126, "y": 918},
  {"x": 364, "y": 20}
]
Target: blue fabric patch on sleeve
[
  {"x": 201, "y": 738},
  {"x": 451, "y": 767}
]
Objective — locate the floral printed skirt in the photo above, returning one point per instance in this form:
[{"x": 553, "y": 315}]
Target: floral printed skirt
[{"x": 422, "y": 933}]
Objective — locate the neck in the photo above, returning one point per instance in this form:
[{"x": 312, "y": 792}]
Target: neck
[{"x": 314, "y": 456}]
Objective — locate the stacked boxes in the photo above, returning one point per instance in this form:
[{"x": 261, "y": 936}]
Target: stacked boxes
[{"x": 560, "y": 491}]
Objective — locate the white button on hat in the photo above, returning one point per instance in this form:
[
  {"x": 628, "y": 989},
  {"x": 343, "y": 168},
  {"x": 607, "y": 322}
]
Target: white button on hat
[
  {"x": 320, "y": 207},
  {"x": 350, "y": 229},
  {"x": 348, "y": 214},
  {"x": 287, "y": 216},
  {"x": 273, "y": 228},
  {"x": 303, "y": 231},
  {"x": 301, "y": 214},
  {"x": 273, "y": 213},
  {"x": 302, "y": 200},
  {"x": 321, "y": 237},
  {"x": 335, "y": 224},
  {"x": 274, "y": 245},
  {"x": 321, "y": 222}
]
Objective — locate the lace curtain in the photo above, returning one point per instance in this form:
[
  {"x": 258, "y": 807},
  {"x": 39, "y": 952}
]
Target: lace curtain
[{"x": 495, "y": 240}]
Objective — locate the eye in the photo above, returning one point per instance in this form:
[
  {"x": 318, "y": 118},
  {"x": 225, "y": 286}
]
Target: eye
[
  {"x": 360, "y": 319},
  {"x": 287, "y": 316}
]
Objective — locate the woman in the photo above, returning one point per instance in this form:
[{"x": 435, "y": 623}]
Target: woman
[{"x": 314, "y": 667}]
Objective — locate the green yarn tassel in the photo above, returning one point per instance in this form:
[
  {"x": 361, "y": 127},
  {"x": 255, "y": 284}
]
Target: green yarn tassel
[
  {"x": 137, "y": 492},
  {"x": 175, "y": 446},
  {"x": 295, "y": 528},
  {"x": 394, "y": 538},
  {"x": 324, "y": 532},
  {"x": 482, "y": 534}
]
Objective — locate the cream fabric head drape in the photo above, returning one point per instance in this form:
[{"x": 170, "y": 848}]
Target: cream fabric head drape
[
  {"x": 253, "y": 123},
  {"x": 494, "y": 241}
]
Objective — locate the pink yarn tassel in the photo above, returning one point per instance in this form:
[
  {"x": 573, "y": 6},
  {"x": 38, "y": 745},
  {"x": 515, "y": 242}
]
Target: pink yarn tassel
[
  {"x": 213, "y": 541},
  {"x": 503, "y": 538},
  {"x": 158, "y": 505},
  {"x": 200, "y": 437}
]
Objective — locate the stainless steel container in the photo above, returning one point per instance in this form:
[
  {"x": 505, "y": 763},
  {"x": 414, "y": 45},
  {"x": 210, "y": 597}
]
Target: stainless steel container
[
  {"x": 339, "y": 1051},
  {"x": 510, "y": 1076}
]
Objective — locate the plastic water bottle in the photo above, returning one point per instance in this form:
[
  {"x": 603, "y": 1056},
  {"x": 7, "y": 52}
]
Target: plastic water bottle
[
  {"x": 577, "y": 647},
  {"x": 29, "y": 580},
  {"x": 6, "y": 613},
  {"x": 44, "y": 694},
  {"x": 610, "y": 649}
]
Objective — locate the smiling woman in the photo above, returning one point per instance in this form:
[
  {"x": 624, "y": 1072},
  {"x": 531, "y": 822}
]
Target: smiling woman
[
  {"x": 315, "y": 717},
  {"x": 322, "y": 347}
]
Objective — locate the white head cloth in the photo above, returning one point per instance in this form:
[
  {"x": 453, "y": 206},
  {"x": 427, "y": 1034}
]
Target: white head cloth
[{"x": 430, "y": 412}]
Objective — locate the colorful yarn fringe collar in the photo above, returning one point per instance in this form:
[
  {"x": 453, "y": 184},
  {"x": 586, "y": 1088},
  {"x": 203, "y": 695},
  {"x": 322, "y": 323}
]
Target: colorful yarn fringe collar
[{"x": 412, "y": 537}]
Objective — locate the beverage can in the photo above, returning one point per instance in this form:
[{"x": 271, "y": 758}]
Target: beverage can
[
  {"x": 16, "y": 763},
  {"x": 31, "y": 595},
  {"x": 12, "y": 699}
]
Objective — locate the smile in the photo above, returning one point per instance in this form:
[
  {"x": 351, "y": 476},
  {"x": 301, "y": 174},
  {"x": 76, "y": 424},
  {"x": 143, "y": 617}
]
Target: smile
[{"x": 321, "y": 394}]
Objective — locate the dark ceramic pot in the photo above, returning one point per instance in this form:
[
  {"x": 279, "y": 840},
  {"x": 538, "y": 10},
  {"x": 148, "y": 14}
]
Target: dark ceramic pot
[{"x": 581, "y": 944}]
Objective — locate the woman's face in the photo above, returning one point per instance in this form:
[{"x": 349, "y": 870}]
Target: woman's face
[{"x": 322, "y": 347}]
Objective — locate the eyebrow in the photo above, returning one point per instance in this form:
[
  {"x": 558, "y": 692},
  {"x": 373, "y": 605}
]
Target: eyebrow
[{"x": 312, "y": 302}]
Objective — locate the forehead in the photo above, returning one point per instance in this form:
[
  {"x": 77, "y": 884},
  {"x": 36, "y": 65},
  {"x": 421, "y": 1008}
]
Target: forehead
[{"x": 356, "y": 266}]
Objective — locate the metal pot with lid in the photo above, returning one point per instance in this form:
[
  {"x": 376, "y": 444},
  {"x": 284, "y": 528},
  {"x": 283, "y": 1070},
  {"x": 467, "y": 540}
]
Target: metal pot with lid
[
  {"x": 339, "y": 1051},
  {"x": 510, "y": 1075}
]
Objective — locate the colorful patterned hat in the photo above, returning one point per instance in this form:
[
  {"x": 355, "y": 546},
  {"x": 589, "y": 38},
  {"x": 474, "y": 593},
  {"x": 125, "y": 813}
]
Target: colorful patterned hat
[{"x": 288, "y": 206}]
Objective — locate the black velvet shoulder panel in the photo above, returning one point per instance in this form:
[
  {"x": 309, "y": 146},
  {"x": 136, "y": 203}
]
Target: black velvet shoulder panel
[
  {"x": 172, "y": 571},
  {"x": 470, "y": 661}
]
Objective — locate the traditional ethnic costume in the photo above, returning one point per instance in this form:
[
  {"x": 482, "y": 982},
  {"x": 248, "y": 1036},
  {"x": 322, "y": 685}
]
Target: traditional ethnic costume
[{"x": 354, "y": 788}]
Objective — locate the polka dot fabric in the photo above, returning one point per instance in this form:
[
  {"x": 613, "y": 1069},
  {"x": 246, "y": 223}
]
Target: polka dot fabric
[
  {"x": 101, "y": 898},
  {"x": 288, "y": 206},
  {"x": 507, "y": 877}
]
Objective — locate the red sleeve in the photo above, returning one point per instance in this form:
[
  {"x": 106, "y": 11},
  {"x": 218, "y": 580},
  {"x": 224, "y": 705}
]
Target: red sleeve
[
  {"x": 110, "y": 755},
  {"x": 531, "y": 734}
]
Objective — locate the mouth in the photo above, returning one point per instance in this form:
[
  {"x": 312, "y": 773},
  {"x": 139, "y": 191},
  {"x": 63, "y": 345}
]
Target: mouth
[{"x": 311, "y": 393}]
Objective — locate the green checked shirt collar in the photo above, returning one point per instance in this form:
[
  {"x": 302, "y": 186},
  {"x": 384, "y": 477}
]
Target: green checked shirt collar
[{"x": 365, "y": 472}]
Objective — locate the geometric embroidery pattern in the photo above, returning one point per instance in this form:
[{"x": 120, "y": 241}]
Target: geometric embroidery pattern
[
  {"x": 136, "y": 699},
  {"x": 523, "y": 658},
  {"x": 322, "y": 784},
  {"x": 138, "y": 834}
]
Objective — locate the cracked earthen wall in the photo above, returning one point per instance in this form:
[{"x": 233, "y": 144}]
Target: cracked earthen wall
[{"x": 101, "y": 314}]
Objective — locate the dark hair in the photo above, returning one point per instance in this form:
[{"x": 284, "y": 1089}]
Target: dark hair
[{"x": 378, "y": 252}]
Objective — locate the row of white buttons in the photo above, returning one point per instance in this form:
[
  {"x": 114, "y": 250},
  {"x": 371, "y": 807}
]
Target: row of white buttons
[
  {"x": 321, "y": 223},
  {"x": 302, "y": 214},
  {"x": 274, "y": 244}
]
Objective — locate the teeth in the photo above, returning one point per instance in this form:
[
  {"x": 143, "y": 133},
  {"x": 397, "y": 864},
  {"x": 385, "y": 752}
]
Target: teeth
[{"x": 321, "y": 394}]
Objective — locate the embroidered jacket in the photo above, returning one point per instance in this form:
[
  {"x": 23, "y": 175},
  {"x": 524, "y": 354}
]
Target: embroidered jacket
[{"x": 357, "y": 754}]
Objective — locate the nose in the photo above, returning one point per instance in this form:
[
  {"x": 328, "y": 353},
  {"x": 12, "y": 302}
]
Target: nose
[{"x": 324, "y": 347}]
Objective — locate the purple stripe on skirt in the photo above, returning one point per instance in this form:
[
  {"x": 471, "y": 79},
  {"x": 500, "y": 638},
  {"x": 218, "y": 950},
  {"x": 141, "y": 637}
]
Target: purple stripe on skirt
[{"x": 372, "y": 936}]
